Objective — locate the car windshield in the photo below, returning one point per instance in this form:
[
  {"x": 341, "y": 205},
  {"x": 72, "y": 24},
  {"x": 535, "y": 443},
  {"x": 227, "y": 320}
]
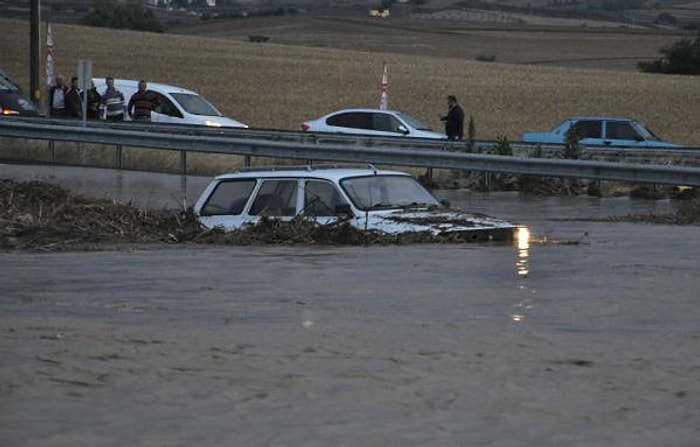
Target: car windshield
[
  {"x": 195, "y": 104},
  {"x": 647, "y": 133},
  {"x": 387, "y": 191},
  {"x": 8, "y": 86},
  {"x": 413, "y": 121}
]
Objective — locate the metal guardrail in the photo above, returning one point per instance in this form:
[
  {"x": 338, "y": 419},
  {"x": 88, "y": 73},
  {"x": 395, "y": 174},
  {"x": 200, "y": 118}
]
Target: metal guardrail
[
  {"x": 415, "y": 154},
  {"x": 629, "y": 153}
]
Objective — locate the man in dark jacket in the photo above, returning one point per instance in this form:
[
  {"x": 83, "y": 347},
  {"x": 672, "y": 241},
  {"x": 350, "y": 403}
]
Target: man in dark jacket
[
  {"x": 74, "y": 104},
  {"x": 142, "y": 103},
  {"x": 454, "y": 120}
]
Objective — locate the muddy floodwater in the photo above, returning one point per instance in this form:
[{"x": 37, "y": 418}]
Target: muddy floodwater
[{"x": 586, "y": 335}]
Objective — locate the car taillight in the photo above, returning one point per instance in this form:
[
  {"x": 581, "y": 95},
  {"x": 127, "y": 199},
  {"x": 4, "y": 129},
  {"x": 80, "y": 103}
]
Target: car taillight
[
  {"x": 9, "y": 112},
  {"x": 305, "y": 127}
]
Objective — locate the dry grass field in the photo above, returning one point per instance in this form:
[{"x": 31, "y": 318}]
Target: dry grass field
[{"x": 273, "y": 85}]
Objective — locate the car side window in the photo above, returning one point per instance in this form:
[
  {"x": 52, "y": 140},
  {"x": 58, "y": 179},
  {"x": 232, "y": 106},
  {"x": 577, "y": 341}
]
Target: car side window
[
  {"x": 166, "y": 107},
  {"x": 385, "y": 122},
  {"x": 621, "y": 131},
  {"x": 321, "y": 198},
  {"x": 228, "y": 198},
  {"x": 590, "y": 129},
  {"x": 355, "y": 120},
  {"x": 276, "y": 197}
]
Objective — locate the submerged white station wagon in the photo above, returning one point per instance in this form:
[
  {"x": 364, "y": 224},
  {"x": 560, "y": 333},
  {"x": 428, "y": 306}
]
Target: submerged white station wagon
[{"x": 389, "y": 202}]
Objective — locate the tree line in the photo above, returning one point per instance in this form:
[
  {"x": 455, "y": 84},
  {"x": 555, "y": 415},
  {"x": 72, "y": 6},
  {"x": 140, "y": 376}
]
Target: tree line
[{"x": 681, "y": 57}]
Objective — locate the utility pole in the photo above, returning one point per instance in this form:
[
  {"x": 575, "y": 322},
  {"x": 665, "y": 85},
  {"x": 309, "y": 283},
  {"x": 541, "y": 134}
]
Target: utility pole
[{"x": 34, "y": 56}]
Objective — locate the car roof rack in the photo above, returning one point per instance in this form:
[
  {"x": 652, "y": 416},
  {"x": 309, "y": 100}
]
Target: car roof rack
[{"x": 308, "y": 167}]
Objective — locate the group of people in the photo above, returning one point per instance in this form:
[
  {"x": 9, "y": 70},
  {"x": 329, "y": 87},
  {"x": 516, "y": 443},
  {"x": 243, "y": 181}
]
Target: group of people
[{"x": 67, "y": 101}]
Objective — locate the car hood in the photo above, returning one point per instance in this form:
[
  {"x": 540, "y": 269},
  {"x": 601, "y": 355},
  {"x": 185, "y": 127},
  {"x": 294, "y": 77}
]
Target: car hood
[
  {"x": 437, "y": 222},
  {"x": 420, "y": 133},
  {"x": 221, "y": 121}
]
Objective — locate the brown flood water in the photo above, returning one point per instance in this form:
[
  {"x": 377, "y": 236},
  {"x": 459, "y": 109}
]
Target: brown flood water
[{"x": 587, "y": 335}]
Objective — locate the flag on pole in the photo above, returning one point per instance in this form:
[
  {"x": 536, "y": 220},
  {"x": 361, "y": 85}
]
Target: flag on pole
[
  {"x": 49, "y": 55},
  {"x": 384, "y": 97}
]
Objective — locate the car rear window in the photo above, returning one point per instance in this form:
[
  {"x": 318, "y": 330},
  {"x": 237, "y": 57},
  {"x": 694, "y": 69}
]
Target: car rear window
[{"x": 355, "y": 120}]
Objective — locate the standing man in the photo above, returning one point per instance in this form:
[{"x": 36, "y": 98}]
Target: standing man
[
  {"x": 112, "y": 102},
  {"x": 93, "y": 102},
  {"x": 57, "y": 98},
  {"x": 74, "y": 104},
  {"x": 142, "y": 103},
  {"x": 454, "y": 120}
]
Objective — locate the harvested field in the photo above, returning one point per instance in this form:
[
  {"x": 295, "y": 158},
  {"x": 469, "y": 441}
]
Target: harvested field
[{"x": 272, "y": 85}]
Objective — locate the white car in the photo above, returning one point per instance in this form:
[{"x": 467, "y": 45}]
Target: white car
[
  {"x": 372, "y": 122},
  {"x": 388, "y": 202},
  {"x": 177, "y": 105}
]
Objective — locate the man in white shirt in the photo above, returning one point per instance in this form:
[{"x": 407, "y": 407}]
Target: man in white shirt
[{"x": 57, "y": 98}]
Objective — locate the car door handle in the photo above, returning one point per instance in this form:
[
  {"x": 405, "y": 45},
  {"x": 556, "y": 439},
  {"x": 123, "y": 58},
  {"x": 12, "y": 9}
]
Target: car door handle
[{"x": 607, "y": 142}]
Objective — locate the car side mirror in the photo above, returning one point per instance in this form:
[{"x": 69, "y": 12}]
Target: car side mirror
[
  {"x": 445, "y": 203},
  {"x": 403, "y": 129},
  {"x": 343, "y": 210}
]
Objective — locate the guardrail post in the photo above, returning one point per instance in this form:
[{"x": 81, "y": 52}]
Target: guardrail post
[
  {"x": 52, "y": 151},
  {"x": 118, "y": 156},
  {"x": 246, "y": 161},
  {"x": 183, "y": 162}
]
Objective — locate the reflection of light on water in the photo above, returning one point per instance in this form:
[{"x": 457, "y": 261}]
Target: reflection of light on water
[
  {"x": 522, "y": 236},
  {"x": 307, "y": 320}
]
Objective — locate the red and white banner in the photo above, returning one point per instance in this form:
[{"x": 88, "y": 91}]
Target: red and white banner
[
  {"x": 384, "y": 97},
  {"x": 50, "y": 73}
]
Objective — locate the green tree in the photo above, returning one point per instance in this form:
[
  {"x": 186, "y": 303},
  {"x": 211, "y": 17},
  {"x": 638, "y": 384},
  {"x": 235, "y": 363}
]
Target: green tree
[
  {"x": 133, "y": 15},
  {"x": 682, "y": 57}
]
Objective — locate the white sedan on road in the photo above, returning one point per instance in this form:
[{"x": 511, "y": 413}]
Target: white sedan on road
[{"x": 372, "y": 122}]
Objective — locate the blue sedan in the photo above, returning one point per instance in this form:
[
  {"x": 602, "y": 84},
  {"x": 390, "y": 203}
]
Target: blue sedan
[{"x": 602, "y": 132}]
